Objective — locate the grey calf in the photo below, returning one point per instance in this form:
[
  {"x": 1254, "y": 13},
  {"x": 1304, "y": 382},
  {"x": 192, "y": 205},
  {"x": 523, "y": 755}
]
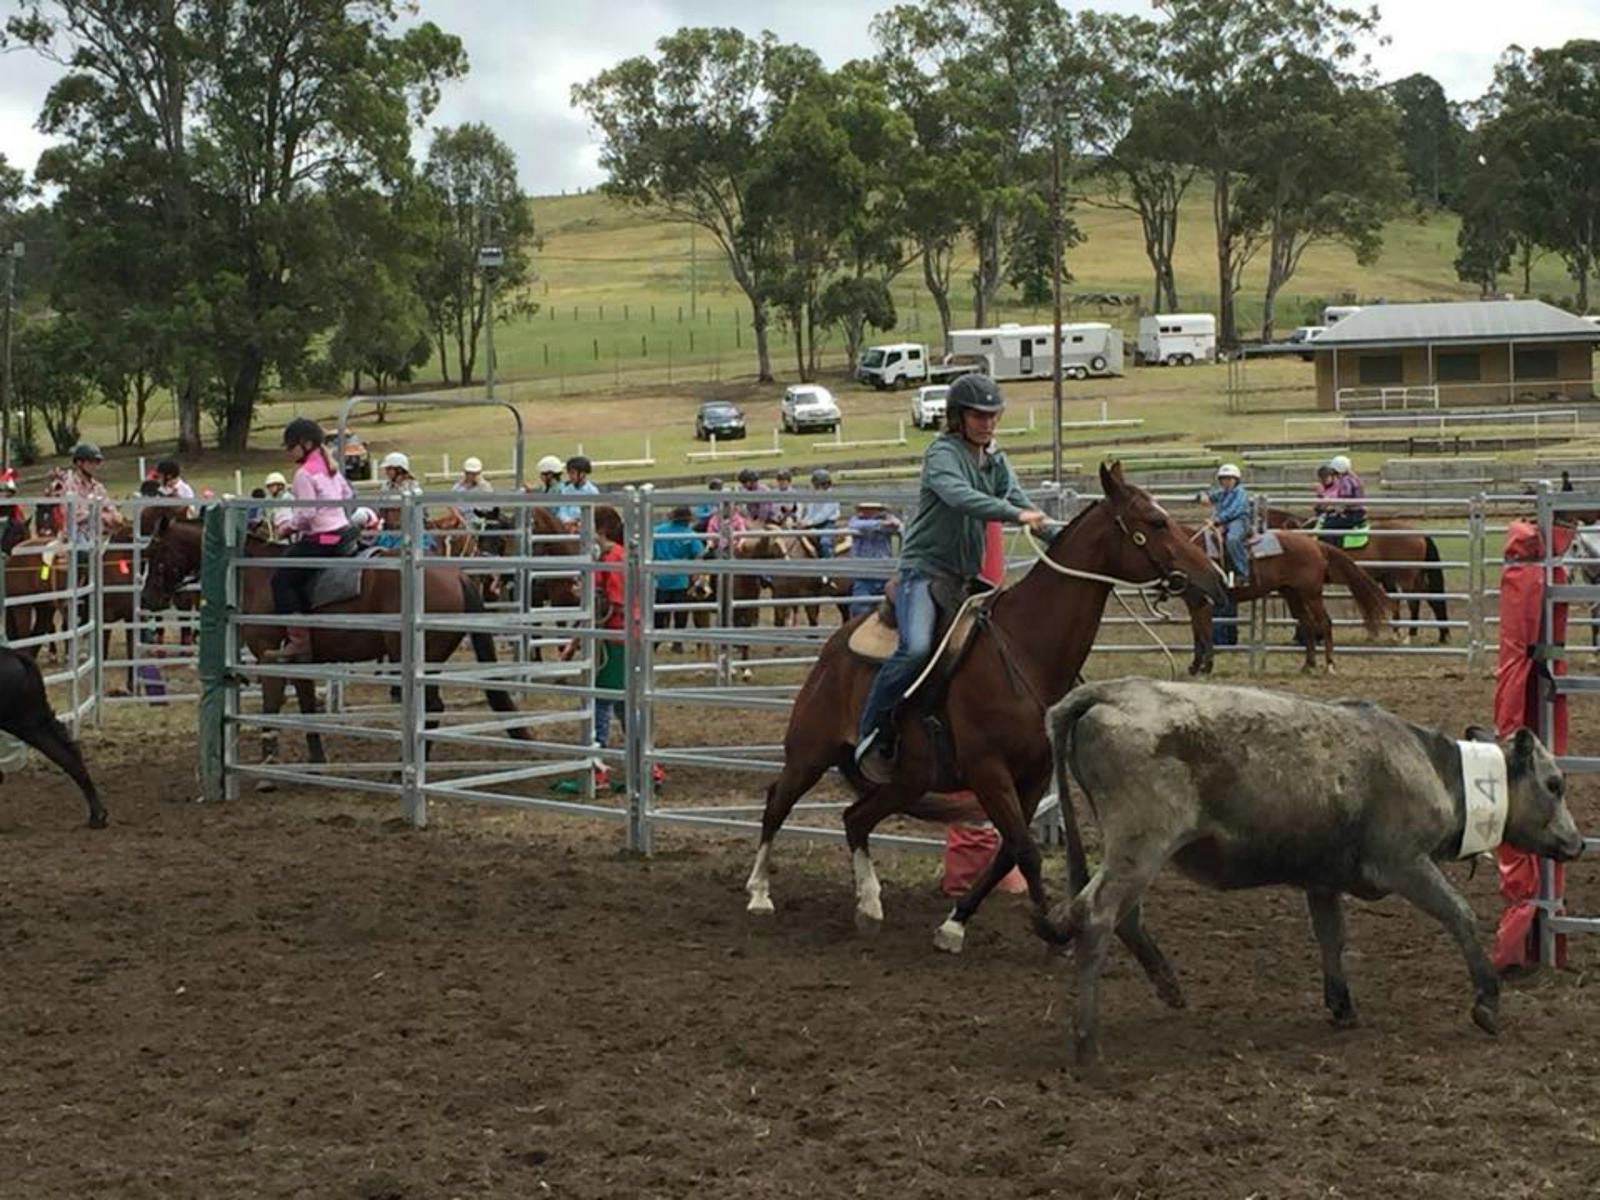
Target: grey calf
[{"x": 1243, "y": 788}]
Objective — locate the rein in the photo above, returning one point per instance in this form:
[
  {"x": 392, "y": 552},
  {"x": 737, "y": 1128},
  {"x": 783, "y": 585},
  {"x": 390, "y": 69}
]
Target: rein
[{"x": 1158, "y": 585}]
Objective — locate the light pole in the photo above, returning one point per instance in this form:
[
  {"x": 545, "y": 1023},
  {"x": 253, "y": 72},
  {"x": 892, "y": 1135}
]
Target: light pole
[
  {"x": 490, "y": 260},
  {"x": 1056, "y": 465},
  {"x": 12, "y": 255}
]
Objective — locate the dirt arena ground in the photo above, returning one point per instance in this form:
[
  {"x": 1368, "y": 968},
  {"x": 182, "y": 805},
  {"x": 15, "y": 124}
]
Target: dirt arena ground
[{"x": 296, "y": 996}]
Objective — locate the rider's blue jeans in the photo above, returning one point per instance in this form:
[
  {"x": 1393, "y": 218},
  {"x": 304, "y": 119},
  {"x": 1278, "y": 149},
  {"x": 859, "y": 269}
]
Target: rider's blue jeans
[
  {"x": 1238, "y": 553},
  {"x": 916, "y": 616}
]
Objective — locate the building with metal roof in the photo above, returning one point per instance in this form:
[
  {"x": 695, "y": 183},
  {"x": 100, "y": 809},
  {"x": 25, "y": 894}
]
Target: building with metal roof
[{"x": 1468, "y": 352}]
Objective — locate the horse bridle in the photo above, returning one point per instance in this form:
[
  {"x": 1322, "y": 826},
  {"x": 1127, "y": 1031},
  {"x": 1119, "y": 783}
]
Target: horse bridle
[{"x": 1169, "y": 581}]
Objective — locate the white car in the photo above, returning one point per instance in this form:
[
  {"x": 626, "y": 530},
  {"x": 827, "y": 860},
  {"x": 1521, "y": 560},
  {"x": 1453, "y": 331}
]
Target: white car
[
  {"x": 927, "y": 406},
  {"x": 809, "y": 406}
]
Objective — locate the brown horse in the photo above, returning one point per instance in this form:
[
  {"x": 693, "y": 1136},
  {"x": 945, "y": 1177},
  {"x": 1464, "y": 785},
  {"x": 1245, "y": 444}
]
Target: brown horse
[
  {"x": 1411, "y": 548},
  {"x": 36, "y": 566},
  {"x": 1297, "y": 575},
  {"x": 1022, "y": 658},
  {"x": 798, "y": 547},
  {"x": 173, "y": 558}
]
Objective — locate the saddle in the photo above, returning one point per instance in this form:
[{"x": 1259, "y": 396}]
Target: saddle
[
  {"x": 876, "y": 637},
  {"x": 1353, "y": 538},
  {"x": 336, "y": 585}
]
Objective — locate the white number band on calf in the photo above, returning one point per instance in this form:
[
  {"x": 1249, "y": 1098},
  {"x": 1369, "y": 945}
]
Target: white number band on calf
[{"x": 1483, "y": 783}]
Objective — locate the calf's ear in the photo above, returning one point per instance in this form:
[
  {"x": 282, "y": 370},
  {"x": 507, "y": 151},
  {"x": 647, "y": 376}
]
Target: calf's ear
[
  {"x": 1477, "y": 733},
  {"x": 1522, "y": 744}
]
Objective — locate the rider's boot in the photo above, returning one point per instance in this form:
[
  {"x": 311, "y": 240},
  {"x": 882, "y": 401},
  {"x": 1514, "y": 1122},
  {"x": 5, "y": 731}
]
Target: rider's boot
[
  {"x": 875, "y": 754},
  {"x": 296, "y": 649}
]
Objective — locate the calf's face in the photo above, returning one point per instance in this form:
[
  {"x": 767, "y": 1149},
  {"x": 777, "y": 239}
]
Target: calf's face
[{"x": 1537, "y": 817}]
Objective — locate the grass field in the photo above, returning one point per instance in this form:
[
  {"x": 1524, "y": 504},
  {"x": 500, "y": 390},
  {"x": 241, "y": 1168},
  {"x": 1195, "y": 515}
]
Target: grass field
[{"x": 617, "y": 353}]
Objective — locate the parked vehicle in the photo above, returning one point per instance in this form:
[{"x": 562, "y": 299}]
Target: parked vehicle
[
  {"x": 903, "y": 364},
  {"x": 927, "y": 406},
  {"x": 719, "y": 418},
  {"x": 1028, "y": 352},
  {"x": 1305, "y": 333},
  {"x": 1176, "y": 339},
  {"x": 1335, "y": 313},
  {"x": 809, "y": 406}
]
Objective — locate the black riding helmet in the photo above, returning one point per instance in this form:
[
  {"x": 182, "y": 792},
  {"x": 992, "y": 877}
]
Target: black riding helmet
[
  {"x": 975, "y": 391},
  {"x": 749, "y": 475},
  {"x": 87, "y": 452},
  {"x": 303, "y": 429},
  {"x": 580, "y": 462}
]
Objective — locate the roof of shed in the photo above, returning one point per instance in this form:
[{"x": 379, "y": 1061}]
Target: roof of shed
[{"x": 1459, "y": 321}]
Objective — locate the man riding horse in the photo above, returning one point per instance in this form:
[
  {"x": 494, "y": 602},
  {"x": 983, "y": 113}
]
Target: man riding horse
[{"x": 966, "y": 482}]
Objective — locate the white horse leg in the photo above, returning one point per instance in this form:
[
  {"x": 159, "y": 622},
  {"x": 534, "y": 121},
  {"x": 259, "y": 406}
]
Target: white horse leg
[
  {"x": 869, "y": 892},
  {"x": 759, "y": 885}
]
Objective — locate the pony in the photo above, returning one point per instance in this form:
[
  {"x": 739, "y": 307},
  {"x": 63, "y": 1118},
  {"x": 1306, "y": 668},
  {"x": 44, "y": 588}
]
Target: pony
[{"x": 173, "y": 557}]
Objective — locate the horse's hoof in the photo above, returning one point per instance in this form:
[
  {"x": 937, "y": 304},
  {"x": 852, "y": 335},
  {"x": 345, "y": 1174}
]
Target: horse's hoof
[
  {"x": 759, "y": 906},
  {"x": 1344, "y": 1020},
  {"x": 100, "y": 820},
  {"x": 868, "y": 925},
  {"x": 950, "y": 937},
  {"x": 263, "y": 786},
  {"x": 1331, "y": 669}
]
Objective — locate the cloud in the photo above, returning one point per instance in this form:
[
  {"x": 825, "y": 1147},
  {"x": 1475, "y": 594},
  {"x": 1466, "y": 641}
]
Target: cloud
[{"x": 526, "y": 59}]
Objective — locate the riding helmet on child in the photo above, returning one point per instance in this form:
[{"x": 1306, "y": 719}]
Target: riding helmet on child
[
  {"x": 87, "y": 452},
  {"x": 820, "y": 476},
  {"x": 302, "y": 430},
  {"x": 784, "y": 473},
  {"x": 275, "y": 477},
  {"x": 396, "y": 460},
  {"x": 973, "y": 391},
  {"x": 1228, "y": 471},
  {"x": 1340, "y": 464},
  {"x": 749, "y": 475},
  {"x": 472, "y": 466},
  {"x": 549, "y": 465}
]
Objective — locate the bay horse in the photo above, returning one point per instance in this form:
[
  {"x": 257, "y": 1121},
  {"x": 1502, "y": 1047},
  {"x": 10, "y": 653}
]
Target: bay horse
[
  {"x": 173, "y": 557},
  {"x": 1022, "y": 658},
  {"x": 1297, "y": 575},
  {"x": 799, "y": 547}
]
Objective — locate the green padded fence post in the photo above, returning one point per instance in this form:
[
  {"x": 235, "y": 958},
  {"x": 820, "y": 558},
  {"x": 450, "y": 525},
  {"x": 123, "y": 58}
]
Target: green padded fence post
[{"x": 213, "y": 652}]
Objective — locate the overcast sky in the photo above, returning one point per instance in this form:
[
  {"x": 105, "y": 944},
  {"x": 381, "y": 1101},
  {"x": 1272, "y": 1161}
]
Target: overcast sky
[{"x": 526, "y": 57}]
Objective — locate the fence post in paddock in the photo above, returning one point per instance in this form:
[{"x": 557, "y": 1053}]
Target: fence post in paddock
[
  {"x": 1477, "y": 580},
  {"x": 1258, "y": 608},
  {"x": 1552, "y": 920},
  {"x": 97, "y": 622},
  {"x": 413, "y": 749},
  {"x": 217, "y": 694},
  {"x": 639, "y": 603}
]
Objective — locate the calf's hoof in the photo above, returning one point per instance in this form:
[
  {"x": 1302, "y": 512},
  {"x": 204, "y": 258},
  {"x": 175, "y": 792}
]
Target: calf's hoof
[
  {"x": 1169, "y": 993},
  {"x": 99, "y": 820},
  {"x": 1344, "y": 1020},
  {"x": 759, "y": 906},
  {"x": 950, "y": 937},
  {"x": 1486, "y": 1017}
]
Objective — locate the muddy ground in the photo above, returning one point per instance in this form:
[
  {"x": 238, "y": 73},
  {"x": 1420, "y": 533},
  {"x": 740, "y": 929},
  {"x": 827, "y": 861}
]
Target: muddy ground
[{"x": 298, "y": 996}]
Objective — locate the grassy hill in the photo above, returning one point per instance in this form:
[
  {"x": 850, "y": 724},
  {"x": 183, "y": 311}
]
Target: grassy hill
[{"x": 616, "y": 354}]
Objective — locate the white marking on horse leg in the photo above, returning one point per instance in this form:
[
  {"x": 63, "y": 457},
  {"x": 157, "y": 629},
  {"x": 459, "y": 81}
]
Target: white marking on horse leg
[
  {"x": 759, "y": 884},
  {"x": 951, "y": 936},
  {"x": 869, "y": 905}
]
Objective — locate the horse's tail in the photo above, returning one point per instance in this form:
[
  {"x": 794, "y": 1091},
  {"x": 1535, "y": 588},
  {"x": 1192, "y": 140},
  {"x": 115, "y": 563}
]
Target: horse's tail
[
  {"x": 1370, "y": 598},
  {"x": 483, "y": 649},
  {"x": 1433, "y": 581},
  {"x": 1061, "y": 720}
]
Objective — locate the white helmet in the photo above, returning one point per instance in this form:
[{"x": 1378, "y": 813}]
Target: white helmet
[
  {"x": 473, "y": 466},
  {"x": 363, "y": 518},
  {"x": 396, "y": 459},
  {"x": 1340, "y": 464},
  {"x": 551, "y": 465},
  {"x": 1228, "y": 471},
  {"x": 275, "y": 477}
]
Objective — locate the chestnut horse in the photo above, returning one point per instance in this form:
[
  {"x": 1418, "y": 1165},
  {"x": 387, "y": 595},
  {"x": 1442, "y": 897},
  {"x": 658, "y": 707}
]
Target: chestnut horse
[
  {"x": 173, "y": 558},
  {"x": 1298, "y": 575},
  {"x": 1022, "y": 658}
]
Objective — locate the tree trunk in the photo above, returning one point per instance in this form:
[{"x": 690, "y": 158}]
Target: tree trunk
[
  {"x": 939, "y": 289},
  {"x": 987, "y": 280},
  {"x": 444, "y": 357},
  {"x": 188, "y": 401},
  {"x": 1527, "y": 269},
  {"x": 759, "y": 322},
  {"x": 142, "y": 391},
  {"x": 797, "y": 323},
  {"x": 1222, "y": 216},
  {"x": 241, "y": 404}
]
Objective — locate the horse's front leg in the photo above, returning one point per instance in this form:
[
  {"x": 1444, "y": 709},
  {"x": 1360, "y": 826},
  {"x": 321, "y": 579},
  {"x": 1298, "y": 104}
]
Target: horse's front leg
[
  {"x": 305, "y": 691},
  {"x": 272, "y": 693}
]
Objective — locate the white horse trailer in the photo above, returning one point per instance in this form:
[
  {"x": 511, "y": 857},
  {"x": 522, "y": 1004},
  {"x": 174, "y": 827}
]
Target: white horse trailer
[
  {"x": 1177, "y": 339},
  {"x": 1028, "y": 351},
  {"x": 1335, "y": 313}
]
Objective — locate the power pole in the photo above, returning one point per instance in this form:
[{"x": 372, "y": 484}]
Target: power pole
[
  {"x": 11, "y": 254},
  {"x": 1056, "y": 471}
]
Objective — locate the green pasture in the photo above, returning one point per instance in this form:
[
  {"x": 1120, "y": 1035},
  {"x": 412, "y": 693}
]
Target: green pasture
[{"x": 617, "y": 351}]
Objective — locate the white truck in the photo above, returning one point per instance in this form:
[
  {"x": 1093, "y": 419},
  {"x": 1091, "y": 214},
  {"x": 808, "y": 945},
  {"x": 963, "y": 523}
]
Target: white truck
[
  {"x": 1028, "y": 351},
  {"x": 903, "y": 364},
  {"x": 1176, "y": 339}
]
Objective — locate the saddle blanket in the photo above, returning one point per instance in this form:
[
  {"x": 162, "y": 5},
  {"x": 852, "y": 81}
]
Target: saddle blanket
[
  {"x": 335, "y": 585},
  {"x": 1266, "y": 545}
]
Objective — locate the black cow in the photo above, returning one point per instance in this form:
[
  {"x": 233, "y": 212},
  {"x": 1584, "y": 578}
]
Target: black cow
[{"x": 25, "y": 713}]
